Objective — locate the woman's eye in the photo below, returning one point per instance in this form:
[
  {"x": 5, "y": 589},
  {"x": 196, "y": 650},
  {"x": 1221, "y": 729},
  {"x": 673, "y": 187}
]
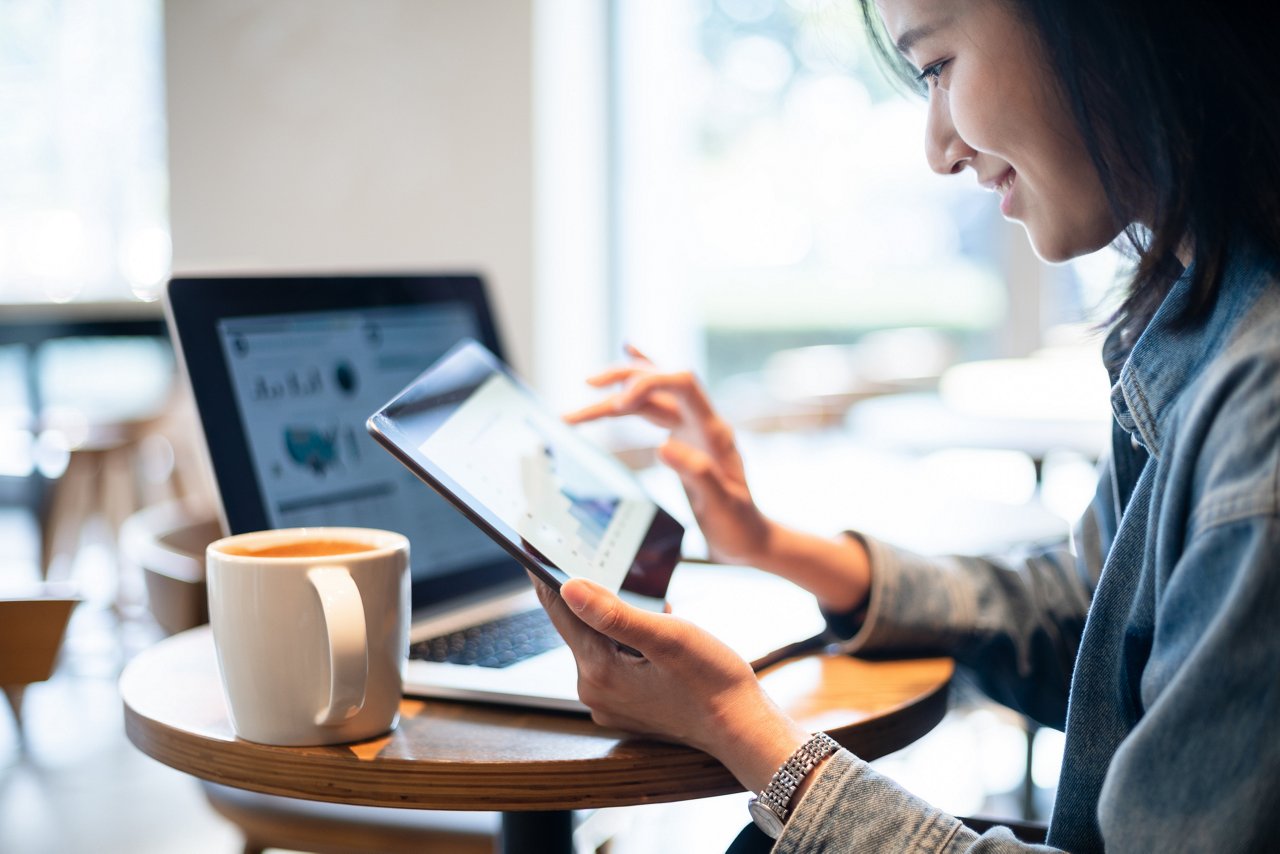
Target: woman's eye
[{"x": 932, "y": 74}]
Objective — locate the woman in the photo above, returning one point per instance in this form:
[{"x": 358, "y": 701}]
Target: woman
[{"x": 1155, "y": 646}]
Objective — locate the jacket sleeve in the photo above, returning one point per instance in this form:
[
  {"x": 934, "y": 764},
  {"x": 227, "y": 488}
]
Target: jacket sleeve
[
  {"x": 1013, "y": 622},
  {"x": 850, "y": 807},
  {"x": 1197, "y": 773}
]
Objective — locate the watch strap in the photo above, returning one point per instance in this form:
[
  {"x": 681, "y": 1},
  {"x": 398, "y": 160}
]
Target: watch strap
[{"x": 776, "y": 796}]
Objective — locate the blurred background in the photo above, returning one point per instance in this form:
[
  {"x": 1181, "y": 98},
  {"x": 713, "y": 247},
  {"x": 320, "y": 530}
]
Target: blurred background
[{"x": 730, "y": 185}]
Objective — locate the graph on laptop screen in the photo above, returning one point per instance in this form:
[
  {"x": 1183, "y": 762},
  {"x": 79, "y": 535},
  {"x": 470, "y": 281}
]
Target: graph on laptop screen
[{"x": 304, "y": 384}]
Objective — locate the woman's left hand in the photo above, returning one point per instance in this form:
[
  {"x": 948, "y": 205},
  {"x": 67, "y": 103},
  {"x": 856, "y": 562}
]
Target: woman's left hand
[{"x": 687, "y": 686}]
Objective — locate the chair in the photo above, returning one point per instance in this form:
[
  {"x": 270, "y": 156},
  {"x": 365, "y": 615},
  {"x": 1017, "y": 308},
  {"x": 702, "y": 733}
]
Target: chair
[
  {"x": 101, "y": 479},
  {"x": 31, "y": 632},
  {"x": 270, "y": 821},
  {"x": 166, "y": 543},
  {"x": 99, "y": 390}
]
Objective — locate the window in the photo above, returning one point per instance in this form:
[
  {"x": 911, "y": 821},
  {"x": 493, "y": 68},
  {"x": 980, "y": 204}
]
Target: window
[
  {"x": 772, "y": 195},
  {"x": 83, "y": 184},
  {"x": 777, "y": 229}
]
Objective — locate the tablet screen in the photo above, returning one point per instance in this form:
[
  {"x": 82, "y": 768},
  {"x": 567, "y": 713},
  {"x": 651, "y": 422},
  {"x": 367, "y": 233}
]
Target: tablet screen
[{"x": 477, "y": 435}]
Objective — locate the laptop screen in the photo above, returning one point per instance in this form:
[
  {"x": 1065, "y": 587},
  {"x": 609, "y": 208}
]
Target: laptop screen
[
  {"x": 285, "y": 370},
  {"x": 304, "y": 384}
]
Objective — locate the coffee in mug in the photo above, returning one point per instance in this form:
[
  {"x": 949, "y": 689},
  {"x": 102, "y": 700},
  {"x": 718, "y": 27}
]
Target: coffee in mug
[
  {"x": 301, "y": 548},
  {"x": 311, "y": 628}
]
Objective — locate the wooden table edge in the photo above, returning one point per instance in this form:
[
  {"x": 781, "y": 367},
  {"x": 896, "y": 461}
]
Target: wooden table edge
[{"x": 683, "y": 773}]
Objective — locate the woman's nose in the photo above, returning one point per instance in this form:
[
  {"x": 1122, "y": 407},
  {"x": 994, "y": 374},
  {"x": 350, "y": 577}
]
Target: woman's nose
[{"x": 946, "y": 152}]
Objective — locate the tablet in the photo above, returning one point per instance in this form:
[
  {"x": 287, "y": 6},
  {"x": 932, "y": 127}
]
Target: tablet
[{"x": 563, "y": 507}]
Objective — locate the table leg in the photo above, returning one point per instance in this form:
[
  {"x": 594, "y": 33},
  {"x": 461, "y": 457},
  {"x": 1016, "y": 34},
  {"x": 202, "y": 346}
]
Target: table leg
[{"x": 547, "y": 832}]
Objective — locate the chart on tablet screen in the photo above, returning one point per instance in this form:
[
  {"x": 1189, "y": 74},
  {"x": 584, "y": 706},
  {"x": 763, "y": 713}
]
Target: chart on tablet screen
[{"x": 544, "y": 482}]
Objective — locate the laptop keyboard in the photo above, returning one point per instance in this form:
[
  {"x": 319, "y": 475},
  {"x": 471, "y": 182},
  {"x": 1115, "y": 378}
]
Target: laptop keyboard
[{"x": 499, "y": 643}]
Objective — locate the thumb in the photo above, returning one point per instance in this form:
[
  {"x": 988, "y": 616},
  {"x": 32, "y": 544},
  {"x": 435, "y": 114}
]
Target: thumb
[
  {"x": 645, "y": 632},
  {"x": 696, "y": 469}
]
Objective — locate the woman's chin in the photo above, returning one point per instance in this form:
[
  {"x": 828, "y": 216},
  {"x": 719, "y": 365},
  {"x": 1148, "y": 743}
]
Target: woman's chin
[{"x": 1056, "y": 247}]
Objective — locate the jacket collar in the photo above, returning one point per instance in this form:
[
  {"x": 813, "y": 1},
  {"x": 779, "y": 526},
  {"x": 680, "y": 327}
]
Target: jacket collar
[{"x": 1167, "y": 355}]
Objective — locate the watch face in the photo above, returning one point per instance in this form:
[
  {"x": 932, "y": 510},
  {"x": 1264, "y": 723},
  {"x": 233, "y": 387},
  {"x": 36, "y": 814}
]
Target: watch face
[{"x": 765, "y": 818}]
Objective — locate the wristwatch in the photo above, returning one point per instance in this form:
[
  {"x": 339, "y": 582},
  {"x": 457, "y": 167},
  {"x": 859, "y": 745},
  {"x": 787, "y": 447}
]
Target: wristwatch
[{"x": 770, "y": 808}]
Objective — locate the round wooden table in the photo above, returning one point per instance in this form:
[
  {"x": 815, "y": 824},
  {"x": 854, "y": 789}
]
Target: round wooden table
[{"x": 534, "y": 766}]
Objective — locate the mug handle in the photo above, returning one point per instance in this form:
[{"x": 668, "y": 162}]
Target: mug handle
[{"x": 348, "y": 650}]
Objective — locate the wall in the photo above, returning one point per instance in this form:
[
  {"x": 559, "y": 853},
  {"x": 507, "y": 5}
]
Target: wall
[{"x": 333, "y": 134}]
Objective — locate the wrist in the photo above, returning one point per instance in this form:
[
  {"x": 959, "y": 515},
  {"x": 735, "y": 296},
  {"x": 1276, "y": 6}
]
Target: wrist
[
  {"x": 836, "y": 570},
  {"x": 771, "y": 543},
  {"x": 756, "y": 544},
  {"x": 752, "y": 737},
  {"x": 772, "y": 807}
]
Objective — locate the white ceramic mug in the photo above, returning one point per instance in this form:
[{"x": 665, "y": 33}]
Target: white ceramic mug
[{"x": 311, "y": 627}]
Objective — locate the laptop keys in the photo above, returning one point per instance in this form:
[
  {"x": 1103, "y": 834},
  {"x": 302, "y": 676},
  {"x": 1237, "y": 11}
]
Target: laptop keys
[{"x": 499, "y": 643}]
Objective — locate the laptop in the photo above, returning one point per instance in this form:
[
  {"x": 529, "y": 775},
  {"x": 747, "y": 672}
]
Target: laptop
[{"x": 286, "y": 369}]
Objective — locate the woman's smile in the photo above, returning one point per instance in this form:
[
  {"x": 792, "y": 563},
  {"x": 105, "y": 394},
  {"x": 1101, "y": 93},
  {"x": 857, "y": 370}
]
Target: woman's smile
[
  {"x": 1003, "y": 185},
  {"x": 992, "y": 103}
]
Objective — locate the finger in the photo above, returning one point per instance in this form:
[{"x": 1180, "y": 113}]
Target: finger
[
  {"x": 578, "y": 635},
  {"x": 606, "y": 408},
  {"x": 634, "y": 352},
  {"x": 546, "y": 594},
  {"x": 666, "y": 401},
  {"x": 662, "y": 413},
  {"x": 683, "y": 386},
  {"x": 661, "y": 410},
  {"x": 621, "y": 373},
  {"x": 695, "y": 467},
  {"x": 652, "y": 635},
  {"x": 612, "y": 376}
]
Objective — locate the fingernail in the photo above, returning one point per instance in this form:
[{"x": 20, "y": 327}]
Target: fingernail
[{"x": 574, "y": 596}]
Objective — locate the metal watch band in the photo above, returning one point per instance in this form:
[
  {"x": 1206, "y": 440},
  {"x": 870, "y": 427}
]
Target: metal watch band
[{"x": 776, "y": 797}]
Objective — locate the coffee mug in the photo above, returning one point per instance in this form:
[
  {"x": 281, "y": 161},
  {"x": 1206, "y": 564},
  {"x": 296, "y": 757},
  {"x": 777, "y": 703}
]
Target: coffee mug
[{"x": 311, "y": 627}]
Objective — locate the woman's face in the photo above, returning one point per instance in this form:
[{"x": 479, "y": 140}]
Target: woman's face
[{"x": 994, "y": 107}]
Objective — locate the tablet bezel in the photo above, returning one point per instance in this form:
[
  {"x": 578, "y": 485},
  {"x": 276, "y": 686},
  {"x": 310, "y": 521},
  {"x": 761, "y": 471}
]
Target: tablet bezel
[
  {"x": 445, "y": 386},
  {"x": 194, "y": 307}
]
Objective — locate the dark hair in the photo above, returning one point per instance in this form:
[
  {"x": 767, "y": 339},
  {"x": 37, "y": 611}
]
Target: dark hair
[{"x": 1179, "y": 107}]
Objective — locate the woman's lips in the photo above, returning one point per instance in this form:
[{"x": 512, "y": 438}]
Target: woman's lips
[{"x": 1004, "y": 187}]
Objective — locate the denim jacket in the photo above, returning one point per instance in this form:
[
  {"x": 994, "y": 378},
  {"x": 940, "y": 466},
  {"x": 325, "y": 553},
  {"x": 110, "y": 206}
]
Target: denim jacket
[{"x": 1155, "y": 642}]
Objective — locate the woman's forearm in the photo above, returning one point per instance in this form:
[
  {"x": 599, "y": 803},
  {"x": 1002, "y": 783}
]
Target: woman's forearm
[{"x": 836, "y": 570}]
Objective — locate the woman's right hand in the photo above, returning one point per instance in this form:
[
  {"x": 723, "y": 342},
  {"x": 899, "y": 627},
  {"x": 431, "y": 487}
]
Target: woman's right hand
[{"x": 700, "y": 449}]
